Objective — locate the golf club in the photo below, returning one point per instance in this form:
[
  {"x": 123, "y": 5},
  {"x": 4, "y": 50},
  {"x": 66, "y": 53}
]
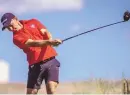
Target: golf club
[{"x": 126, "y": 17}]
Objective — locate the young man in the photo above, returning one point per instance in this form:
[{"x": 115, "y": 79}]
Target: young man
[{"x": 36, "y": 42}]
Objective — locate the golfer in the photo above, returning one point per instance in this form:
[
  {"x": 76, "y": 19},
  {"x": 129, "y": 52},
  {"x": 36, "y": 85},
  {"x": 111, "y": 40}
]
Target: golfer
[{"x": 36, "y": 42}]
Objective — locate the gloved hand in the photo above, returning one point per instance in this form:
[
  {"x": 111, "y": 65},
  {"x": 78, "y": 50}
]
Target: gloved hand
[
  {"x": 56, "y": 42},
  {"x": 126, "y": 16}
]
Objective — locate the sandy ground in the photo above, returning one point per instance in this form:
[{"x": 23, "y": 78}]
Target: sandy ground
[{"x": 84, "y": 87}]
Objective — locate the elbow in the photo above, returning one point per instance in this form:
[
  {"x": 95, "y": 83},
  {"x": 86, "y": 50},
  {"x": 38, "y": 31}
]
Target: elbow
[{"x": 28, "y": 45}]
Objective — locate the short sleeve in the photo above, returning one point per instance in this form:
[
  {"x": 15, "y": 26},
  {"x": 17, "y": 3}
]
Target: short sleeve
[
  {"x": 39, "y": 24},
  {"x": 20, "y": 41}
]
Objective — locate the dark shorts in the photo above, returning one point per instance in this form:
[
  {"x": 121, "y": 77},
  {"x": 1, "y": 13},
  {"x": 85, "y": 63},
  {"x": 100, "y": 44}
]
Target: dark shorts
[{"x": 47, "y": 70}]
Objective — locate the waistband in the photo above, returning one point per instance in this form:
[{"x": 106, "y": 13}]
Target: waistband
[{"x": 44, "y": 61}]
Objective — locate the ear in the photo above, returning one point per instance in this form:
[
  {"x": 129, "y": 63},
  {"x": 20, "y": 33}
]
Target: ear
[{"x": 15, "y": 19}]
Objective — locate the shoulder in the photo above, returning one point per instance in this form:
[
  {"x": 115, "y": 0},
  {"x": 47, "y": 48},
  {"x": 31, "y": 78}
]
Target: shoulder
[
  {"x": 33, "y": 20},
  {"x": 19, "y": 40},
  {"x": 29, "y": 21},
  {"x": 16, "y": 37}
]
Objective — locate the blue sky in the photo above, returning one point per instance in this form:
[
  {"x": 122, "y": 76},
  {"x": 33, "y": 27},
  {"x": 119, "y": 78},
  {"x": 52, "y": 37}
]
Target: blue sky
[{"x": 103, "y": 53}]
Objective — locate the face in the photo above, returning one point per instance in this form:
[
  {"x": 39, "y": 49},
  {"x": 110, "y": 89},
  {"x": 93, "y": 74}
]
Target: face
[{"x": 14, "y": 25}]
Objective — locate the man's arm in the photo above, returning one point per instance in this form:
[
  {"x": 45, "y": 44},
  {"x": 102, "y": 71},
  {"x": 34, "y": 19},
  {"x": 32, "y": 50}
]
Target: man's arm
[
  {"x": 37, "y": 43},
  {"x": 41, "y": 43},
  {"x": 47, "y": 33},
  {"x": 42, "y": 29}
]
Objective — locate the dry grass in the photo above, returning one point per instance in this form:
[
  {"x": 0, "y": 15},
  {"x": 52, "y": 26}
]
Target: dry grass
[
  {"x": 91, "y": 86},
  {"x": 98, "y": 86}
]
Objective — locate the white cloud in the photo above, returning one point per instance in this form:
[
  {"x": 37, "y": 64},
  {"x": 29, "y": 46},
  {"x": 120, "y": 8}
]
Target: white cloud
[{"x": 25, "y": 6}]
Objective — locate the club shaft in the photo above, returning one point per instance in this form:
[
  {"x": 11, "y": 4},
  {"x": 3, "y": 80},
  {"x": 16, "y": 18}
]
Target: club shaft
[{"x": 92, "y": 30}]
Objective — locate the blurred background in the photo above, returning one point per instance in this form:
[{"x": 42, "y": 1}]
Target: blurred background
[{"x": 102, "y": 54}]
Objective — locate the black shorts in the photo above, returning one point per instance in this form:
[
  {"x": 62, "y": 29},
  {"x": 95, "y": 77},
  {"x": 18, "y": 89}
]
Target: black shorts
[{"x": 47, "y": 70}]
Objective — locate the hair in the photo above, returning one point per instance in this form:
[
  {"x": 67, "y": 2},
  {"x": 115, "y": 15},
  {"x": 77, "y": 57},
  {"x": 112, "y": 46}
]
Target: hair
[{"x": 15, "y": 18}]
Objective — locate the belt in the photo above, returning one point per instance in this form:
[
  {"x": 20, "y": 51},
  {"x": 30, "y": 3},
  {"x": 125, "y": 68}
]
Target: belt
[{"x": 46, "y": 60}]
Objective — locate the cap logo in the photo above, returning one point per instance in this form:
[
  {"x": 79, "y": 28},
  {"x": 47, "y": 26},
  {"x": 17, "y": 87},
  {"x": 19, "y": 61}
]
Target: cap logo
[{"x": 4, "y": 21}]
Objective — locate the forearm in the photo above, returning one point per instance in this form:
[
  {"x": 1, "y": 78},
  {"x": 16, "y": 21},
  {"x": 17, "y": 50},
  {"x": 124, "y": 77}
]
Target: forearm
[
  {"x": 47, "y": 33},
  {"x": 38, "y": 43}
]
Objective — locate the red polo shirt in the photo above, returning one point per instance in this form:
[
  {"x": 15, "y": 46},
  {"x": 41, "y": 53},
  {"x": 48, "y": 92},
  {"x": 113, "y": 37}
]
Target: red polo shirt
[{"x": 31, "y": 30}]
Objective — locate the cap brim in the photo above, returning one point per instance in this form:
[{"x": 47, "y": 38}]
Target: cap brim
[
  {"x": 3, "y": 28},
  {"x": 5, "y": 25}
]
